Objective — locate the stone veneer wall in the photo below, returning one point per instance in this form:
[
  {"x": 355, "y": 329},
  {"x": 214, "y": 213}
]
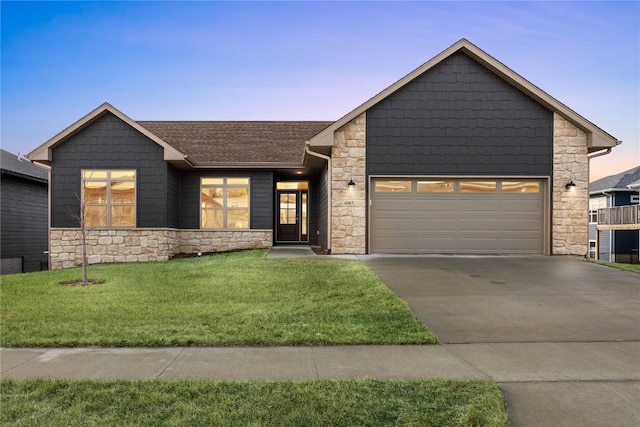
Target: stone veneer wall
[
  {"x": 194, "y": 241},
  {"x": 151, "y": 244},
  {"x": 570, "y": 207},
  {"x": 349, "y": 205}
]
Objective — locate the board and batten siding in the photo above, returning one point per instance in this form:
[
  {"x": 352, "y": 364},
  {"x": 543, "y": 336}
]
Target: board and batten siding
[
  {"x": 458, "y": 118},
  {"x": 109, "y": 143}
]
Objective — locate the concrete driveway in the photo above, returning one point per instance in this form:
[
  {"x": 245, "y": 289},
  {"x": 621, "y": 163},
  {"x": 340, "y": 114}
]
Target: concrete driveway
[{"x": 561, "y": 336}]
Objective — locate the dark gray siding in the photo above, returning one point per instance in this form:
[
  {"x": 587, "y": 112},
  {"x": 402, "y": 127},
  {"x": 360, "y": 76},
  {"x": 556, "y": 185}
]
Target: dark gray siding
[
  {"x": 459, "y": 118},
  {"x": 109, "y": 143},
  {"x": 173, "y": 197},
  {"x": 261, "y": 196},
  {"x": 623, "y": 198},
  {"x": 24, "y": 221}
]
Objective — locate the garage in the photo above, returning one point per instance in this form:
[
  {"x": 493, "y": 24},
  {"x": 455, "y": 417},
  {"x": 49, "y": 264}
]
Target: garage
[{"x": 457, "y": 215}]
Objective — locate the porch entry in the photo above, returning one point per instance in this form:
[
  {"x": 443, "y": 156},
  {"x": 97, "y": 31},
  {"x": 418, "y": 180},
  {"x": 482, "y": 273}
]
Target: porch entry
[{"x": 292, "y": 204}]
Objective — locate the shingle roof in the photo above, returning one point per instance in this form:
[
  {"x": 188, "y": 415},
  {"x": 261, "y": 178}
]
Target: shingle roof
[
  {"x": 616, "y": 182},
  {"x": 10, "y": 163},
  {"x": 237, "y": 141}
]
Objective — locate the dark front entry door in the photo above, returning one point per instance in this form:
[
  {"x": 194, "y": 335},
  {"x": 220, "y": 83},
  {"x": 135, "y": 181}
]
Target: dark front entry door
[{"x": 292, "y": 216}]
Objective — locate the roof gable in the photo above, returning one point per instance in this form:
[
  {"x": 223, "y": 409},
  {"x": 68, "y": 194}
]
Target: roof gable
[
  {"x": 43, "y": 152},
  {"x": 597, "y": 138},
  {"x": 618, "y": 182}
]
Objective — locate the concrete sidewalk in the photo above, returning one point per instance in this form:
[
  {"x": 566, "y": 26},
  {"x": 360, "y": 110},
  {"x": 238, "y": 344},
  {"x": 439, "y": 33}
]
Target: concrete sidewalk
[
  {"x": 505, "y": 362},
  {"x": 541, "y": 381},
  {"x": 233, "y": 363}
]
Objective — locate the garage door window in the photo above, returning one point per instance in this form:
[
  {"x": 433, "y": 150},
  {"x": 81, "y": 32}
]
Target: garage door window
[
  {"x": 393, "y": 186},
  {"x": 478, "y": 186},
  {"x": 435, "y": 186},
  {"x": 520, "y": 187}
]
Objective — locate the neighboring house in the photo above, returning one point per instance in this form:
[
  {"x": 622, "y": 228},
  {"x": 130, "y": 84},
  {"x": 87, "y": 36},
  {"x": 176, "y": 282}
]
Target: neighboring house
[
  {"x": 614, "y": 217},
  {"x": 462, "y": 155},
  {"x": 23, "y": 215}
]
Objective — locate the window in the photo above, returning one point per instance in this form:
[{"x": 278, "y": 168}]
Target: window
[
  {"x": 478, "y": 186},
  {"x": 435, "y": 186},
  {"x": 224, "y": 203},
  {"x": 292, "y": 185},
  {"x": 520, "y": 186},
  {"x": 593, "y": 253},
  {"x": 109, "y": 198},
  {"x": 595, "y": 204},
  {"x": 393, "y": 186}
]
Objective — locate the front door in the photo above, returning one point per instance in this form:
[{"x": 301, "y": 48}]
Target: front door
[{"x": 292, "y": 216}]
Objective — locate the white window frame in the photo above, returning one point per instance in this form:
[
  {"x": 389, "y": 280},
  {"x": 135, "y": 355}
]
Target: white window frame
[
  {"x": 595, "y": 249},
  {"x": 596, "y": 203}
]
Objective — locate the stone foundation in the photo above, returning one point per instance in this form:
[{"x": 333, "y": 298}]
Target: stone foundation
[
  {"x": 349, "y": 203},
  {"x": 150, "y": 244},
  {"x": 570, "y": 207},
  {"x": 194, "y": 241}
]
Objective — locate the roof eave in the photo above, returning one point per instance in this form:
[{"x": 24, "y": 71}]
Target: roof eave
[
  {"x": 43, "y": 153},
  {"x": 608, "y": 190},
  {"x": 248, "y": 165},
  {"x": 23, "y": 176}
]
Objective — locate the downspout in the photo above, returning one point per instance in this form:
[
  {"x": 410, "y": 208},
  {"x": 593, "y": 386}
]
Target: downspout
[
  {"x": 589, "y": 157},
  {"x": 48, "y": 251},
  {"x": 329, "y": 192}
]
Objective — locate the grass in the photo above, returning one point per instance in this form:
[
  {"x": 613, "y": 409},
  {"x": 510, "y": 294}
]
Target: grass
[
  {"x": 433, "y": 402},
  {"x": 635, "y": 268},
  {"x": 239, "y": 298}
]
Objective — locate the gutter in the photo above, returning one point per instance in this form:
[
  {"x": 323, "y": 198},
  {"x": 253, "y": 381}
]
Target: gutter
[
  {"x": 601, "y": 153},
  {"x": 329, "y": 192}
]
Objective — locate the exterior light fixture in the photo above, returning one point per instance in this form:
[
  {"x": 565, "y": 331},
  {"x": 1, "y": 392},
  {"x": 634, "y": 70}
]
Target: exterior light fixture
[
  {"x": 570, "y": 184},
  {"x": 351, "y": 183}
]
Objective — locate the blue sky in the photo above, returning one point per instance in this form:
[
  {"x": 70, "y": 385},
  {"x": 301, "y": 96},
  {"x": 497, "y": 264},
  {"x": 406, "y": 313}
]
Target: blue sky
[{"x": 301, "y": 60}]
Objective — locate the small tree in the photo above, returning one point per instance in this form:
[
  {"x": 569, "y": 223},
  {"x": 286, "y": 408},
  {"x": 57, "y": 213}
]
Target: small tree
[{"x": 80, "y": 219}]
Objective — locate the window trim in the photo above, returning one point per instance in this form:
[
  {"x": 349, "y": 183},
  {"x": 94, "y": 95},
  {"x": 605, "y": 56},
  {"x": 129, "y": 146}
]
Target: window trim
[
  {"x": 225, "y": 186},
  {"x": 108, "y": 205}
]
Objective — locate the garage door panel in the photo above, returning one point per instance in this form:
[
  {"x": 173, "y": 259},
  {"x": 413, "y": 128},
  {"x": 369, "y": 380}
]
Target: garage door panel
[
  {"x": 433, "y": 225},
  {"x": 509, "y": 225},
  {"x": 455, "y": 222},
  {"x": 477, "y": 205},
  {"x": 436, "y": 205}
]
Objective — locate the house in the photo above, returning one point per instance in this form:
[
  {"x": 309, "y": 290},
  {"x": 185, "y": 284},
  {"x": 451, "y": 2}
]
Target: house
[
  {"x": 614, "y": 226},
  {"x": 23, "y": 215},
  {"x": 462, "y": 155}
]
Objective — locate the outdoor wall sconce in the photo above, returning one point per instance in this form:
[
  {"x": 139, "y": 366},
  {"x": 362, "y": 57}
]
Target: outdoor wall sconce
[
  {"x": 570, "y": 184},
  {"x": 351, "y": 183}
]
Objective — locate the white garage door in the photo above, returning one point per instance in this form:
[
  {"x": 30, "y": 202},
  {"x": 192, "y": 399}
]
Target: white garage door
[{"x": 474, "y": 216}]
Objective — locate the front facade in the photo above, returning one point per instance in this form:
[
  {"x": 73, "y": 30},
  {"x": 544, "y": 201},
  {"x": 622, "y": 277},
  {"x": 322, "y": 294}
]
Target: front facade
[
  {"x": 460, "y": 156},
  {"x": 614, "y": 225},
  {"x": 23, "y": 215}
]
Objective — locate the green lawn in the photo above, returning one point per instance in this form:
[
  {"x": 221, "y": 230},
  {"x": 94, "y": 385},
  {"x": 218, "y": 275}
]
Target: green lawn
[
  {"x": 635, "y": 268},
  {"x": 435, "y": 402},
  {"x": 238, "y": 298}
]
